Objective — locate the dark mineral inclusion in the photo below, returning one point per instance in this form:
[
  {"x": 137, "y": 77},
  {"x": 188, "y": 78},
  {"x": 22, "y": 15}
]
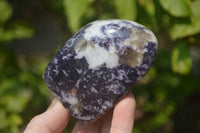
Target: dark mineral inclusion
[{"x": 99, "y": 65}]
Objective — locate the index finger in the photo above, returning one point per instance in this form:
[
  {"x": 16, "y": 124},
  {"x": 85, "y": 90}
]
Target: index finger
[{"x": 54, "y": 120}]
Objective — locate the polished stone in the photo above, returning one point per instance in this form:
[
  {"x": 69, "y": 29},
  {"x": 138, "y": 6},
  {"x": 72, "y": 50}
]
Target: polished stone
[{"x": 99, "y": 65}]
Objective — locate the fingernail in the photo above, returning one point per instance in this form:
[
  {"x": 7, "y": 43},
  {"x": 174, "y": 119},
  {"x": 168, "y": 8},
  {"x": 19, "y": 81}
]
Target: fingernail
[{"x": 55, "y": 104}]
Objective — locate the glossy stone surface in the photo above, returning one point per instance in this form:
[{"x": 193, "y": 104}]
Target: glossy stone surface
[{"x": 99, "y": 65}]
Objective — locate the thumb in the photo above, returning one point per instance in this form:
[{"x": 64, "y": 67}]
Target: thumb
[{"x": 54, "y": 120}]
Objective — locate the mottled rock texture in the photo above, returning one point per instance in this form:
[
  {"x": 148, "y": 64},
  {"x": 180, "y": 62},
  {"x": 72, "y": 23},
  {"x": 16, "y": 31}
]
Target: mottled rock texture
[{"x": 99, "y": 65}]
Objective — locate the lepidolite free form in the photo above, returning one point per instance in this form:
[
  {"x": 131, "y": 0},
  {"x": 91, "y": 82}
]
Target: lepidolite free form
[{"x": 99, "y": 65}]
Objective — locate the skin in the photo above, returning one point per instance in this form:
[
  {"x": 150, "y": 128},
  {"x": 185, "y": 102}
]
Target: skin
[{"x": 55, "y": 119}]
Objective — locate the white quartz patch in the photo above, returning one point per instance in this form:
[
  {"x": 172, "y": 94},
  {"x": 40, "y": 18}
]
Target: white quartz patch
[
  {"x": 97, "y": 56},
  {"x": 95, "y": 28},
  {"x": 71, "y": 99}
]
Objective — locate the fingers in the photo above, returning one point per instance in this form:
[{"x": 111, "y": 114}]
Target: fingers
[
  {"x": 123, "y": 115},
  {"x": 54, "y": 120}
]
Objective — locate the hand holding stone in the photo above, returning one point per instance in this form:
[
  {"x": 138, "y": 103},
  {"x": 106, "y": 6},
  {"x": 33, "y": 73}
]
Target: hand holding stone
[{"x": 99, "y": 65}]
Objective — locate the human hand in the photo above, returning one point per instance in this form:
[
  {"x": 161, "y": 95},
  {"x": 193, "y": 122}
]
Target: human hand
[{"x": 55, "y": 119}]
